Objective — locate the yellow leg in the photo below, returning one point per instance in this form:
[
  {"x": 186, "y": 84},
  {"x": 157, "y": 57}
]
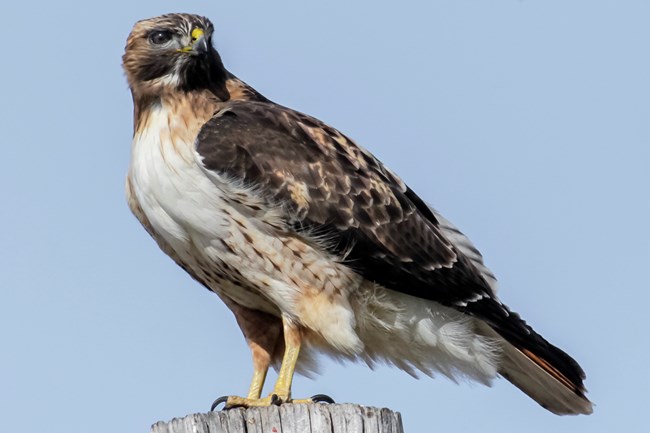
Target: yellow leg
[
  {"x": 262, "y": 332},
  {"x": 282, "y": 390},
  {"x": 292, "y": 341},
  {"x": 259, "y": 376}
]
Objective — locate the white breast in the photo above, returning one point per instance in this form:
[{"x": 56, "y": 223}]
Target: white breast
[{"x": 171, "y": 188}]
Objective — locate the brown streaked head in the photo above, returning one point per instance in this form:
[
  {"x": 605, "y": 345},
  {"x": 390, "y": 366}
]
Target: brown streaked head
[{"x": 172, "y": 53}]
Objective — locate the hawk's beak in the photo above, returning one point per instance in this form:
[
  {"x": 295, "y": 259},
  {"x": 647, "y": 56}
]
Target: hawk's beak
[{"x": 199, "y": 44}]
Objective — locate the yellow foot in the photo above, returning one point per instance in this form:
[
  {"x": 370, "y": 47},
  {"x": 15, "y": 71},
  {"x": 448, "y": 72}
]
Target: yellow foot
[
  {"x": 233, "y": 401},
  {"x": 273, "y": 399}
]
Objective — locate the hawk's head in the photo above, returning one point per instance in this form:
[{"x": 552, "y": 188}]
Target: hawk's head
[{"x": 171, "y": 53}]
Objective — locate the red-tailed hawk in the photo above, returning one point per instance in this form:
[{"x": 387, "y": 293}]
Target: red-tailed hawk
[{"x": 310, "y": 240}]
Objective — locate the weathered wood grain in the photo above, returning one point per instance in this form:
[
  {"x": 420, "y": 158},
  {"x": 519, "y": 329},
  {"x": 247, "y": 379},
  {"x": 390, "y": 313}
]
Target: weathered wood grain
[{"x": 288, "y": 418}]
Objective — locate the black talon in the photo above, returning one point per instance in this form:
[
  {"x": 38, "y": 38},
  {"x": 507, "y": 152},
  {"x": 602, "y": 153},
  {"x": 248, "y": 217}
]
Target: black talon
[
  {"x": 218, "y": 401},
  {"x": 275, "y": 400},
  {"x": 322, "y": 398}
]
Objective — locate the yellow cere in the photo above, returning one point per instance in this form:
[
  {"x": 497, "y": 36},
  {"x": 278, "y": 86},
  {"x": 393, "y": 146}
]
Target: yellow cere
[{"x": 196, "y": 33}]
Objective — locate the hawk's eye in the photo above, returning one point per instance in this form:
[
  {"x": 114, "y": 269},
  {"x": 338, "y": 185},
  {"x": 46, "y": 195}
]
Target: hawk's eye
[{"x": 159, "y": 37}]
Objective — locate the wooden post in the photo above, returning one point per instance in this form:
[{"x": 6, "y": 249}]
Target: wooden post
[{"x": 288, "y": 418}]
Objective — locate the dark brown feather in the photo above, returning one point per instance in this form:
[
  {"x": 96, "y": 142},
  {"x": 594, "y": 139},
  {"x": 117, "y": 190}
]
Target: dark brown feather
[
  {"x": 324, "y": 180},
  {"x": 328, "y": 185}
]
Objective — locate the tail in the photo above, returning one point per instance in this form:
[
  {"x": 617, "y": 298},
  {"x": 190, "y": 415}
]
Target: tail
[{"x": 542, "y": 371}]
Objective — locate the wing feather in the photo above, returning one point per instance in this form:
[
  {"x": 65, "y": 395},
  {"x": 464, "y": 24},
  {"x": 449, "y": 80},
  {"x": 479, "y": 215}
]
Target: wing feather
[{"x": 324, "y": 183}]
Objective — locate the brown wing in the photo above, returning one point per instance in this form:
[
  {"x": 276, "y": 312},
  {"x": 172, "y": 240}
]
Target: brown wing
[{"x": 328, "y": 186}]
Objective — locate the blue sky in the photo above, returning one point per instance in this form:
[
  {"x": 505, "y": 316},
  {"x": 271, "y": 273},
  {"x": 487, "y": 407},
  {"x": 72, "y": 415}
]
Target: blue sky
[{"x": 524, "y": 122}]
